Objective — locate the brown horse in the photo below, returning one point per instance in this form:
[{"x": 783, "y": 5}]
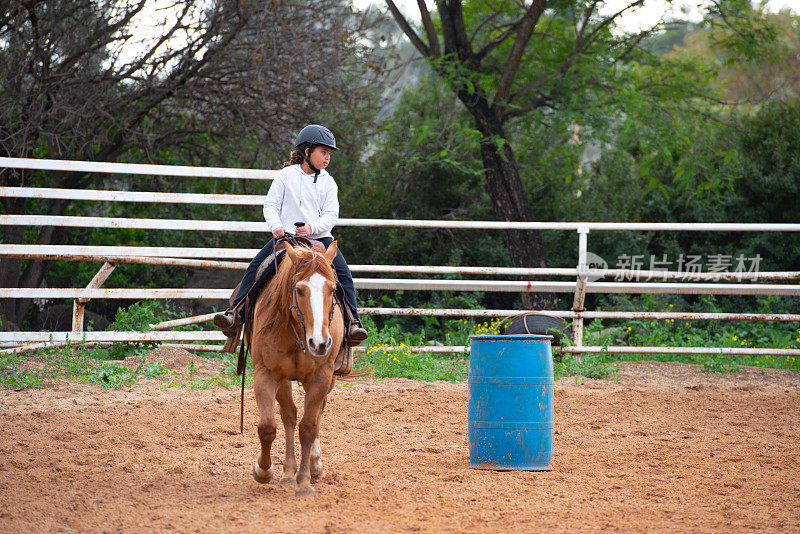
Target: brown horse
[{"x": 297, "y": 332}]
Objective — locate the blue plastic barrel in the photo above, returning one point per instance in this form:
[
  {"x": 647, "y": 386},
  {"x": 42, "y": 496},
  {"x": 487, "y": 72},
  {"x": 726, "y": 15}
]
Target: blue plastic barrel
[{"x": 510, "y": 413}]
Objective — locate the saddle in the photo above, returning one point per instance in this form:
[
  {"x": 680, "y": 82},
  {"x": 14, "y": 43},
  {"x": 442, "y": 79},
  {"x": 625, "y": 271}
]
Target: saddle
[{"x": 344, "y": 359}]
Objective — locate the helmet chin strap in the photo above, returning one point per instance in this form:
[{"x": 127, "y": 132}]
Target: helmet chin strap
[{"x": 316, "y": 170}]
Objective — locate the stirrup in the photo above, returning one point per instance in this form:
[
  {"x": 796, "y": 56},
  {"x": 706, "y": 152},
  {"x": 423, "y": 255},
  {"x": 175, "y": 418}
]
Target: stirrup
[{"x": 344, "y": 361}]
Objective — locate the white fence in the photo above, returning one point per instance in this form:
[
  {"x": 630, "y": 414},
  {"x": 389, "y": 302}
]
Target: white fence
[{"x": 583, "y": 278}]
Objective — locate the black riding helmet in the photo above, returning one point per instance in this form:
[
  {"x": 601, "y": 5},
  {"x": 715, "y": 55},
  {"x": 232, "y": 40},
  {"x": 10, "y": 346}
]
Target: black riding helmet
[{"x": 314, "y": 134}]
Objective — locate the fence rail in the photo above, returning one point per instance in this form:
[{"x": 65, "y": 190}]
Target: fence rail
[
  {"x": 246, "y": 226},
  {"x": 136, "y": 168},
  {"x": 509, "y": 286},
  {"x": 583, "y": 279}
]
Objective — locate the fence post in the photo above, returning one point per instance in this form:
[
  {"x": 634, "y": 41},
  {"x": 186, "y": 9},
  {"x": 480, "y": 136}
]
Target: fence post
[
  {"x": 79, "y": 305},
  {"x": 580, "y": 290}
]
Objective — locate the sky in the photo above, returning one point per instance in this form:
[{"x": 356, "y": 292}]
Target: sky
[
  {"x": 152, "y": 17},
  {"x": 645, "y": 17}
]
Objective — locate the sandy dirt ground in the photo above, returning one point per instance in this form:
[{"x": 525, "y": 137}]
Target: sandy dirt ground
[{"x": 664, "y": 448}]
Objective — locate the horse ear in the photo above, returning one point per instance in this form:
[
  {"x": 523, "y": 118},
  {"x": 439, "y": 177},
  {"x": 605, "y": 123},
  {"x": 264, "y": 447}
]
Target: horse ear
[
  {"x": 330, "y": 254},
  {"x": 292, "y": 254}
]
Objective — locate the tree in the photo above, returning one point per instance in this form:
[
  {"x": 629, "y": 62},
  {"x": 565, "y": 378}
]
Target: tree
[
  {"x": 220, "y": 80},
  {"x": 766, "y": 73},
  {"x": 515, "y": 62}
]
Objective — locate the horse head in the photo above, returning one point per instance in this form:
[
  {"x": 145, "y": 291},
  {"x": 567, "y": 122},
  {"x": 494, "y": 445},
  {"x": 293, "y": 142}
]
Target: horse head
[{"x": 313, "y": 286}]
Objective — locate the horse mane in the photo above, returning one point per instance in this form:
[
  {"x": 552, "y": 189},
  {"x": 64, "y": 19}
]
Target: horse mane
[{"x": 278, "y": 293}]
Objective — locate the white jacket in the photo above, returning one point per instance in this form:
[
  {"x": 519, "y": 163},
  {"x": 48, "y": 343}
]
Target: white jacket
[{"x": 294, "y": 197}]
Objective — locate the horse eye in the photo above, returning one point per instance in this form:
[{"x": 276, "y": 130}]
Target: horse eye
[{"x": 299, "y": 292}]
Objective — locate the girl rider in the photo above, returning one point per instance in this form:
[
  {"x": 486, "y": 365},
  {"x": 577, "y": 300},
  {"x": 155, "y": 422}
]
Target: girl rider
[{"x": 303, "y": 191}]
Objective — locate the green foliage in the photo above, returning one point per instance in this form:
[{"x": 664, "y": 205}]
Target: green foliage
[
  {"x": 594, "y": 366},
  {"x": 713, "y": 364},
  {"x": 31, "y": 370},
  {"x": 425, "y": 165},
  {"x": 154, "y": 370},
  {"x": 137, "y": 317},
  {"x": 14, "y": 376},
  {"x": 457, "y": 331},
  {"x": 114, "y": 375},
  {"x": 713, "y": 334},
  {"x": 694, "y": 170},
  {"x": 739, "y": 30},
  {"x": 754, "y": 62},
  {"x": 402, "y": 362},
  {"x": 90, "y": 364},
  {"x": 389, "y": 352}
]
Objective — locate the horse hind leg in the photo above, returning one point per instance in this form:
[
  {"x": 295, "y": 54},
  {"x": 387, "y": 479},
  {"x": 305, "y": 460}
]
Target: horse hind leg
[{"x": 289, "y": 418}]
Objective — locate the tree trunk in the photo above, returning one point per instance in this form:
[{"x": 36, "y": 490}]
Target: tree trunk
[{"x": 510, "y": 202}]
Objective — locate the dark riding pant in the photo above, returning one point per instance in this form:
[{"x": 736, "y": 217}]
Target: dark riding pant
[{"x": 343, "y": 274}]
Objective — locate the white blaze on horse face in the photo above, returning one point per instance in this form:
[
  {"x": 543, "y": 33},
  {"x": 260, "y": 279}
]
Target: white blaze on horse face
[{"x": 316, "y": 284}]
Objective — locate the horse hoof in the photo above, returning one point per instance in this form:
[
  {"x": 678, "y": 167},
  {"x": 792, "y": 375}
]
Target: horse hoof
[
  {"x": 288, "y": 482},
  {"x": 261, "y": 476},
  {"x": 309, "y": 492},
  {"x": 316, "y": 471}
]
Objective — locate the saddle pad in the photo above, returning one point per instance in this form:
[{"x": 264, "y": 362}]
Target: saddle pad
[{"x": 265, "y": 272}]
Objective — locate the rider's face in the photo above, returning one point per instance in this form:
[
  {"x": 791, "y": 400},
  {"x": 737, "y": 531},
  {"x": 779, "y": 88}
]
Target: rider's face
[{"x": 320, "y": 157}]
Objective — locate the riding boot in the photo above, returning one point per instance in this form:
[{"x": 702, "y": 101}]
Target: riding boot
[
  {"x": 228, "y": 320},
  {"x": 355, "y": 331}
]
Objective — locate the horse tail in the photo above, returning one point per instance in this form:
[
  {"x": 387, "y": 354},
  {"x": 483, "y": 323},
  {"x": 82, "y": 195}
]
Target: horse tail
[{"x": 361, "y": 372}]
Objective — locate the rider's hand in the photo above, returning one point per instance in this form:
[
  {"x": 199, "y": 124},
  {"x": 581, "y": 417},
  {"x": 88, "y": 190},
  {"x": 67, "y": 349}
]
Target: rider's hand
[
  {"x": 303, "y": 231},
  {"x": 278, "y": 232}
]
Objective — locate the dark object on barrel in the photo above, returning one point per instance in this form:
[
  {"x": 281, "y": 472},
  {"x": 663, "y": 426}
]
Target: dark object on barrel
[{"x": 535, "y": 323}]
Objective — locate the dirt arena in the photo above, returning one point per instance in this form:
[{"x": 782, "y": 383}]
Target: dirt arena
[{"x": 664, "y": 448}]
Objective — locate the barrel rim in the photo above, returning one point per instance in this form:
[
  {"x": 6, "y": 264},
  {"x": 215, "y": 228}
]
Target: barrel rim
[{"x": 511, "y": 337}]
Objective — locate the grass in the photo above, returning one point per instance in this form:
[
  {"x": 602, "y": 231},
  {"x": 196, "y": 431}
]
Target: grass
[
  {"x": 594, "y": 366},
  {"x": 402, "y": 362},
  {"x": 32, "y": 370}
]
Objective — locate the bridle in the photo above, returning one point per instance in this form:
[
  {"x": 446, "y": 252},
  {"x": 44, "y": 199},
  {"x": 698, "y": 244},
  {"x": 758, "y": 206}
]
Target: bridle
[{"x": 301, "y": 345}]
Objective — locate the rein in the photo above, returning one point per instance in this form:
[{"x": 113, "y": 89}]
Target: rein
[{"x": 300, "y": 342}]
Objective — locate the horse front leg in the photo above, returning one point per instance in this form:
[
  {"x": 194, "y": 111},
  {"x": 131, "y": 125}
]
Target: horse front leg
[
  {"x": 289, "y": 418},
  {"x": 316, "y": 448},
  {"x": 309, "y": 436},
  {"x": 265, "y": 388}
]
